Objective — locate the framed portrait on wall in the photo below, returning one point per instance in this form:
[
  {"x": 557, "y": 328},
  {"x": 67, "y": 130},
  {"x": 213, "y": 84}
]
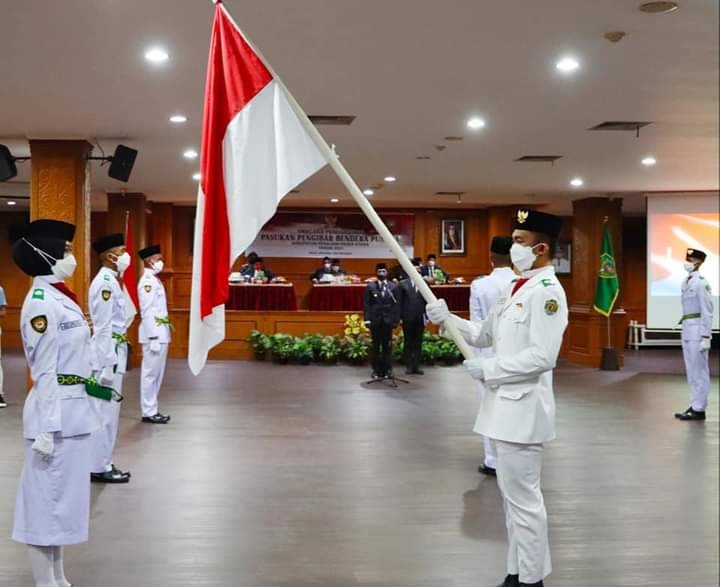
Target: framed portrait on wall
[
  {"x": 562, "y": 260},
  {"x": 452, "y": 237}
]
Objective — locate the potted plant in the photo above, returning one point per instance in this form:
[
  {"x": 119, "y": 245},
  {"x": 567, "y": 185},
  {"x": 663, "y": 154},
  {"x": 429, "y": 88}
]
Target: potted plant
[
  {"x": 430, "y": 350},
  {"x": 329, "y": 349},
  {"x": 448, "y": 352},
  {"x": 260, "y": 344},
  {"x": 302, "y": 351},
  {"x": 398, "y": 348},
  {"x": 314, "y": 341},
  {"x": 356, "y": 350},
  {"x": 281, "y": 347}
]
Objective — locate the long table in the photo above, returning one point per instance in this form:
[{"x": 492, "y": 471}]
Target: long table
[
  {"x": 349, "y": 298},
  {"x": 258, "y": 297}
]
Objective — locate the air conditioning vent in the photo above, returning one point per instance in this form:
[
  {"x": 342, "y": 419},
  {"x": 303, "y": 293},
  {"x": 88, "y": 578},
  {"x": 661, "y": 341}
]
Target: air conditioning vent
[
  {"x": 539, "y": 158},
  {"x": 623, "y": 125},
  {"x": 329, "y": 120},
  {"x": 454, "y": 138},
  {"x": 456, "y": 194}
]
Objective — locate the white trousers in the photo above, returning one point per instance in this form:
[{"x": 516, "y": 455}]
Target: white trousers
[
  {"x": 104, "y": 439},
  {"x": 698, "y": 373},
  {"x": 153, "y": 371},
  {"x": 488, "y": 445},
  {"x": 518, "y": 473},
  {"x": 2, "y": 375}
]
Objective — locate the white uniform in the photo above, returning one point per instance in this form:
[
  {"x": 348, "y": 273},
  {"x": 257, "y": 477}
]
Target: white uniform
[
  {"x": 3, "y": 302},
  {"x": 484, "y": 294},
  {"x": 154, "y": 326},
  {"x": 525, "y": 331},
  {"x": 697, "y": 307},
  {"x": 53, "y": 499},
  {"x": 107, "y": 310}
]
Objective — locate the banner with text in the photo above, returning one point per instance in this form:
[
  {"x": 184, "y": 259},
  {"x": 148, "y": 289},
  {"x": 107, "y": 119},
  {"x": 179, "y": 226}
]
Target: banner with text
[{"x": 338, "y": 234}]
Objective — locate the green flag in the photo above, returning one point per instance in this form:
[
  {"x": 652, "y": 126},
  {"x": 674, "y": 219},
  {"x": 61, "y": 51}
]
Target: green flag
[{"x": 608, "y": 287}]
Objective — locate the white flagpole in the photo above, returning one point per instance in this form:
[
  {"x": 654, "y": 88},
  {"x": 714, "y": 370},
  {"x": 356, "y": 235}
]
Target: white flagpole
[{"x": 359, "y": 197}]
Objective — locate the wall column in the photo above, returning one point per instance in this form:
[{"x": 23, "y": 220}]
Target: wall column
[
  {"x": 60, "y": 190},
  {"x": 587, "y": 330}
]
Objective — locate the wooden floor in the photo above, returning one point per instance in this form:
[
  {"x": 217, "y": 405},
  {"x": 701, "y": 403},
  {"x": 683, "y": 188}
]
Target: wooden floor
[{"x": 299, "y": 477}]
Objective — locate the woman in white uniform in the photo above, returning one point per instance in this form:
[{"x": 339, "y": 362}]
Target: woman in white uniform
[{"x": 53, "y": 500}]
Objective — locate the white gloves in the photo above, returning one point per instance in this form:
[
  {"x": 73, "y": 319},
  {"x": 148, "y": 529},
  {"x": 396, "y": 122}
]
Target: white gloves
[
  {"x": 44, "y": 445},
  {"x": 475, "y": 368},
  {"x": 705, "y": 344},
  {"x": 437, "y": 312},
  {"x": 155, "y": 347},
  {"x": 106, "y": 377}
]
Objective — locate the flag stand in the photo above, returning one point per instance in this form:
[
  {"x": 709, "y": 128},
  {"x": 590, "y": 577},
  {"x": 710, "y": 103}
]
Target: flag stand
[
  {"x": 609, "y": 360},
  {"x": 334, "y": 162}
]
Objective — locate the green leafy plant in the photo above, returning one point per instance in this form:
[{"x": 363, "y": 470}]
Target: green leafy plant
[
  {"x": 356, "y": 349},
  {"x": 315, "y": 342},
  {"x": 330, "y": 349},
  {"x": 430, "y": 349},
  {"x": 302, "y": 351},
  {"x": 448, "y": 352},
  {"x": 398, "y": 347},
  {"x": 281, "y": 347},
  {"x": 260, "y": 344}
]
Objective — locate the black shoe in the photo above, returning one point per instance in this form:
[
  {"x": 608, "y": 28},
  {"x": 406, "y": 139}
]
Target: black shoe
[
  {"x": 419, "y": 372},
  {"x": 156, "y": 419},
  {"x": 485, "y": 470},
  {"x": 511, "y": 581},
  {"x": 538, "y": 584},
  {"x": 375, "y": 376},
  {"x": 114, "y": 476},
  {"x": 116, "y": 470},
  {"x": 3, "y": 403},
  {"x": 690, "y": 414}
]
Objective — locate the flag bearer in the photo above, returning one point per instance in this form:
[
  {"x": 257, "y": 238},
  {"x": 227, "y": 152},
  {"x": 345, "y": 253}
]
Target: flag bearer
[
  {"x": 107, "y": 310},
  {"x": 697, "y": 308},
  {"x": 525, "y": 331},
  {"x": 52, "y": 508},
  {"x": 154, "y": 334}
]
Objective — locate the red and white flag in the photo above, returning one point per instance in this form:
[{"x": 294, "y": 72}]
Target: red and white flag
[
  {"x": 129, "y": 278},
  {"x": 255, "y": 149}
]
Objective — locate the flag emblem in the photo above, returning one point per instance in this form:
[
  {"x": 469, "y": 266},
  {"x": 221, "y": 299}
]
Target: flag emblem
[
  {"x": 106, "y": 294},
  {"x": 39, "y": 324},
  {"x": 522, "y": 216},
  {"x": 607, "y": 266},
  {"x": 148, "y": 288},
  {"x": 551, "y": 307}
]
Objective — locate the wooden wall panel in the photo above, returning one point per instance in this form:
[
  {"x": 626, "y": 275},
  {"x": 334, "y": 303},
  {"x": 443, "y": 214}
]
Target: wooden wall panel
[{"x": 633, "y": 276}]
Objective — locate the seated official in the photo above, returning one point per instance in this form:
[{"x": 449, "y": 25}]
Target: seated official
[
  {"x": 325, "y": 273},
  {"x": 399, "y": 273},
  {"x": 432, "y": 272},
  {"x": 382, "y": 314},
  {"x": 257, "y": 272},
  {"x": 337, "y": 271}
]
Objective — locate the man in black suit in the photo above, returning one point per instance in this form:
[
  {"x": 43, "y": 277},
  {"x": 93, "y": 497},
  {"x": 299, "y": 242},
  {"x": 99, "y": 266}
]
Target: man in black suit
[
  {"x": 320, "y": 273},
  {"x": 382, "y": 314},
  {"x": 412, "y": 313},
  {"x": 430, "y": 269}
]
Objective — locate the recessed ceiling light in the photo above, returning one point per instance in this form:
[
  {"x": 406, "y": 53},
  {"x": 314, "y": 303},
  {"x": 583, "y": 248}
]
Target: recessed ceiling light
[
  {"x": 11, "y": 202},
  {"x": 567, "y": 64},
  {"x": 197, "y": 176},
  {"x": 190, "y": 154},
  {"x": 577, "y": 182},
  {"x": 390, "y": 178},
  {"x": 475, "y": 123},
  {"x": 334, "y": 200},
  {"x": 156, "y": 55},
  {"x": 178, "y": 118},
  {"x": 649, "y": 161},
  {"x": 658, "y": 7},
  {"x": 369, "y": 192}
]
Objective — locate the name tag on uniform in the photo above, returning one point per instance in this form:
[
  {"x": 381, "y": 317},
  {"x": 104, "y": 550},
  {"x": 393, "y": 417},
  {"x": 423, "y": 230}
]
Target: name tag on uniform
[{"x": 73, "y": 324}]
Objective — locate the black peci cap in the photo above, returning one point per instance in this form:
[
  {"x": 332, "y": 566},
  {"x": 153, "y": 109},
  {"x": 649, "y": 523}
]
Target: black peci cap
[
  {"x": 149, "y": 251},
  {"x": 500, "y": 245},
  {"x": 48, "y": 236},
  {"x": 535, "y": 221},
  {"x": 695, "y": 254},
  {"x": 55, "y": 229},
  {"x": 108, "y": 242},
  {"x": 380, "y": 266}
]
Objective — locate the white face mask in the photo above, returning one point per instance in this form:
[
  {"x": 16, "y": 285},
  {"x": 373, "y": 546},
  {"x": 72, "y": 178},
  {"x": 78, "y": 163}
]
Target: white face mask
[
  {"x": 522, "y": 257},
  {"x": 689, "y": 267},
  {"x": 65, "y": 267},
  {"x": 431, "y": 263},
  {"x": 123, "y": 262},
  {"x": 157, "y": 267}
]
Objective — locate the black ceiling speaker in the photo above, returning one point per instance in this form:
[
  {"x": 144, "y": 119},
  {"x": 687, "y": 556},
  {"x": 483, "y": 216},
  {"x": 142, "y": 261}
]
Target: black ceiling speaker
[
  {"x": 8, "y": 169},
  {"x": 122, "y": 162}
]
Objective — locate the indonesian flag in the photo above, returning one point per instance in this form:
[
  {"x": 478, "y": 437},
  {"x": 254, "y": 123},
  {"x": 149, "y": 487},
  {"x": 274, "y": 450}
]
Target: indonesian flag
[
  {"x": 255, "y": 149},
  {"x": 130, "y": 277}
]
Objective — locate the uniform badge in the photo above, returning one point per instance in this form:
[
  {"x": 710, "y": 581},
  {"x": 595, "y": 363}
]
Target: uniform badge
[
  {"x": 522, "y": 216},
  {"x": 148, "y": 288},
  {"x": 106, "y": 293},
  {"x": 551, "y": 307},
  {"x": 39, "y": 324}
]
